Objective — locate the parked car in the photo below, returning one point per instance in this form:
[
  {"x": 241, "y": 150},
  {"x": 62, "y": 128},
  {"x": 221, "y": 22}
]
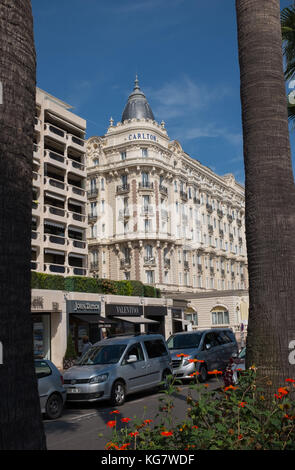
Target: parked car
[
  {"x": 213, "y": 347},
  {"x": 236, "y": 363},
  {"x": 51, "y": 390},
  {"x": 118, "y": 366}
]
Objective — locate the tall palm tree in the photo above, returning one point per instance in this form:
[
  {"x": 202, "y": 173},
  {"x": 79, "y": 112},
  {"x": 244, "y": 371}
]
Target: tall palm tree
[
  {"x": 20, "y": 418},
  {"x": 270, "y": 194},
  {"x": 288, "y": 37}
]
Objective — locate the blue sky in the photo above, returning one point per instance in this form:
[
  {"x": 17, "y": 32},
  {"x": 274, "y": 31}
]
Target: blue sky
[{"x": 185, "y": 54}]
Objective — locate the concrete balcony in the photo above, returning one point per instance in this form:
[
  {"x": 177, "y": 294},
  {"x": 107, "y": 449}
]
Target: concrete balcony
[
  {"x": 55, "y": 242},
  {"x": 77, "y": 167},
  {"x": 167, "y": 263},
  {"x": 124, "y": 214},
  {"x": 37, "y": 125},
  {"x": 92, "y": 218},
  {"x": 77, "y": 246},
  {"x": 36, "y": 179},
  {"x": 55, "y": 133},
  {"x": 35, "y": 238},
  {"x": 76, "y": 143},
  {"x": 76, "y": 192},
  {"x": 146, "y": 185},
  {"x": 55, "y": 159},
  {"x": 163, "y": 190},
  {"x": 36, "y": 152},
  {"x": 94, "y": 266},
  {"x": 36, "y": 208},
  {"x": 76, "y": 271},
  {"x": 54, "y": 185},
  {"x": 52, "y": 268},
  {"x": 35, "y": 266},
  {"x": 75, "y": 218},
  {"x": 55, "y": 213}
]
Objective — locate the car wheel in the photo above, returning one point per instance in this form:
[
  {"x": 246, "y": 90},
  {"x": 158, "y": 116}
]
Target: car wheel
[
  {"x": 165, "y": 385},
  {"x": 118, "y": 393},
  {"x": 203, "y": 373},
  {"x": 54, "y": 406}
]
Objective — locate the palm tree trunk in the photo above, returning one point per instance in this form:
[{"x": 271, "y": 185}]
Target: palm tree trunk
[
  {"x": 270, "y": 198},
  {"x": 20, "y": 418}
]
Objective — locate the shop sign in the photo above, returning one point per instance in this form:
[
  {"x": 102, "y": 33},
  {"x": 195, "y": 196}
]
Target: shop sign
[
  {"x": 37, "y": 303},
  {"x": 155, "y": 310},
  {"x": 124, "y": 310},
  {"x": 82, "y": 306}
]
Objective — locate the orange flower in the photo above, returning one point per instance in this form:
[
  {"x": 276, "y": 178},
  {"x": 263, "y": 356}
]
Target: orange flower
[
  {"x": 114, "y": 412},
  {"x": 194, "y": 373},
  {"x": 282, "y": 391},
  {"x": 110, "y": 445},
  {"x": 215, "y": 372},
  {"x": 206, "y": 385},
  {"x": 290, "y": 380},
  {"x": 148, "y": 421},
  {"x": 125, "y": 420},
  {"x": 167, "y": 433},
  {"x": 240, "y": 436},
  {"x": 194, "y": 360},
  {"x": 242, "y": 404},
  {"x": 195, "y": 427},
  {"x": 182, "y": 355},
  {"x": 133, "y": 434},
  {"x": 230, "y": 387},
  {"x": 111, "y": 424},
  {"x": 123, "y": 447}
]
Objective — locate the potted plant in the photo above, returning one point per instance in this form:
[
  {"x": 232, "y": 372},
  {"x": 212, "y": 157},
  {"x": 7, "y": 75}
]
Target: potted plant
[{"x": 70, "y": 355}]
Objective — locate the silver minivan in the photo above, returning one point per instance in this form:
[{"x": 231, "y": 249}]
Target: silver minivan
[
  {"x": 213, "y": 347},
  {"x": 118, "y": 366}
]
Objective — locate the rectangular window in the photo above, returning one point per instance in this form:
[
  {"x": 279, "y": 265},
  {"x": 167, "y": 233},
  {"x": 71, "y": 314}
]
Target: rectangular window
[
  {"x": 144, "y": 153},
  {"x": 123, "y": 155}
]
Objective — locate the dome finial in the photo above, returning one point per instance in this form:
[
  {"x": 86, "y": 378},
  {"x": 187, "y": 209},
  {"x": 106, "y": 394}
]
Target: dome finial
[{"x": 136, "y": 83}]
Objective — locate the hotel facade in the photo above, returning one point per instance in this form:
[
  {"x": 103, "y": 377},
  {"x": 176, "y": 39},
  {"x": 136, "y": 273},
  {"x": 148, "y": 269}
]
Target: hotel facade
[{"x": 158, "y": 215}]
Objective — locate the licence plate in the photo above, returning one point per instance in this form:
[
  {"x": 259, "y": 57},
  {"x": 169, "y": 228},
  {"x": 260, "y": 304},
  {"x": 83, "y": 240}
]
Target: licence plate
[{"x": 73, "y": 390}]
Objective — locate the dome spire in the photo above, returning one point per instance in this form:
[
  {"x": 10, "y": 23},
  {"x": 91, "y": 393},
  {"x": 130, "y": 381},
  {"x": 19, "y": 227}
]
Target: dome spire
[{"x": 136, "y": 83}]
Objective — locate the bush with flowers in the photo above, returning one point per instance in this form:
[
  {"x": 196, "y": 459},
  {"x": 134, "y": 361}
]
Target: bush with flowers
[{"x": 229, "y": 418}]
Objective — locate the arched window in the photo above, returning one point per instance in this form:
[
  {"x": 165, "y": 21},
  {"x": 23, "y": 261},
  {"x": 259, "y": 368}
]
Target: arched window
[{"x": 220, "y": 316}]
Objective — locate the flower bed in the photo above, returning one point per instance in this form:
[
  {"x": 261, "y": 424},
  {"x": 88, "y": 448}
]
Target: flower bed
[{"x": 230, "y": 418}]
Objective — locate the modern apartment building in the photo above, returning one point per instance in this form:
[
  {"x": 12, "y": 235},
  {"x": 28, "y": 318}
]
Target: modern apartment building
[
  {"x": 59, "y": 222},
  {"x": 158, "y": 215}
]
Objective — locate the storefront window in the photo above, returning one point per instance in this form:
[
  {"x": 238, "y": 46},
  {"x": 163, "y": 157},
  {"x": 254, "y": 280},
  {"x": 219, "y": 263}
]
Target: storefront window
[{"x": 41, "y": 336}]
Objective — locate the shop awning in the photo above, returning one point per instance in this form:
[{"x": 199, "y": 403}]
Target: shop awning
[
  {"x": 95, "y": 319},
  {"x": 136, "y": 320}
]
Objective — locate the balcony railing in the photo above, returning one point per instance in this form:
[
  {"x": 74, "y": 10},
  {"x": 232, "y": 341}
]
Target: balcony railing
[
  {"x": 125, "y": 263},
  {"x": 163, "y": 189},
  {"x": 210, "y": 229},
  {"x": 55, "y": 239},
  {"x": 55, "y": 183},
  {"x": 167, "y": 263},
  {"x": 230, "y": 218},
  {"x": 146, "y": 185},
  {"x": 209, "y": 208},
  {"x": 183, "y": 195},
  {"x": 93, "y": 192},
  {"x": 92, "y": 218},
  {"x": 56, "y": 211},
  {"x": 196, "y": 200},
  {"x": 77, "y": 216},
  {"x": 186, "y": 265},
  {"x": 94, "y": 265},
  {"x": 123, "y": 188},
  {"x": 220, "y": 213},
  {"x": 54, "y": 268},
  {"x": 149, "y": 261},
  {"x": 57, "y": 157},
  {"x": 147, "y": 210}
]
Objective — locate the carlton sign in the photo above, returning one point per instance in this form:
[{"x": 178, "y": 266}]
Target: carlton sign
[{"x": 142, "y": 136}]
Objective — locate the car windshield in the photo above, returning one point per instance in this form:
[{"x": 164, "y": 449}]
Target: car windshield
[
  {"x": 242, "y": 354},
  {"x": 96, "y": 355},
  {"x": 188, "y": 341}
]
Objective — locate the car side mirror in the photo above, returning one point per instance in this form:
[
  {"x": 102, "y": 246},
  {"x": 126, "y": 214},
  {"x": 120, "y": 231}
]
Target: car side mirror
[
  {"x": 131, "y": 359},
  {"x": 208, "y": 346},
  {"x": 234, "y": 355}
]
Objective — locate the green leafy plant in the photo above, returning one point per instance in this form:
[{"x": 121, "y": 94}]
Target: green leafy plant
[
  {"x": 229, "y": 418},
  {"x": 70, "y": 354}
]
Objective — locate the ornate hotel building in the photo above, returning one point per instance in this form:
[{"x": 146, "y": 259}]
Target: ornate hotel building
[
  {"x": 59, "y": 222},
  {"x": 159, "y": 216}
]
